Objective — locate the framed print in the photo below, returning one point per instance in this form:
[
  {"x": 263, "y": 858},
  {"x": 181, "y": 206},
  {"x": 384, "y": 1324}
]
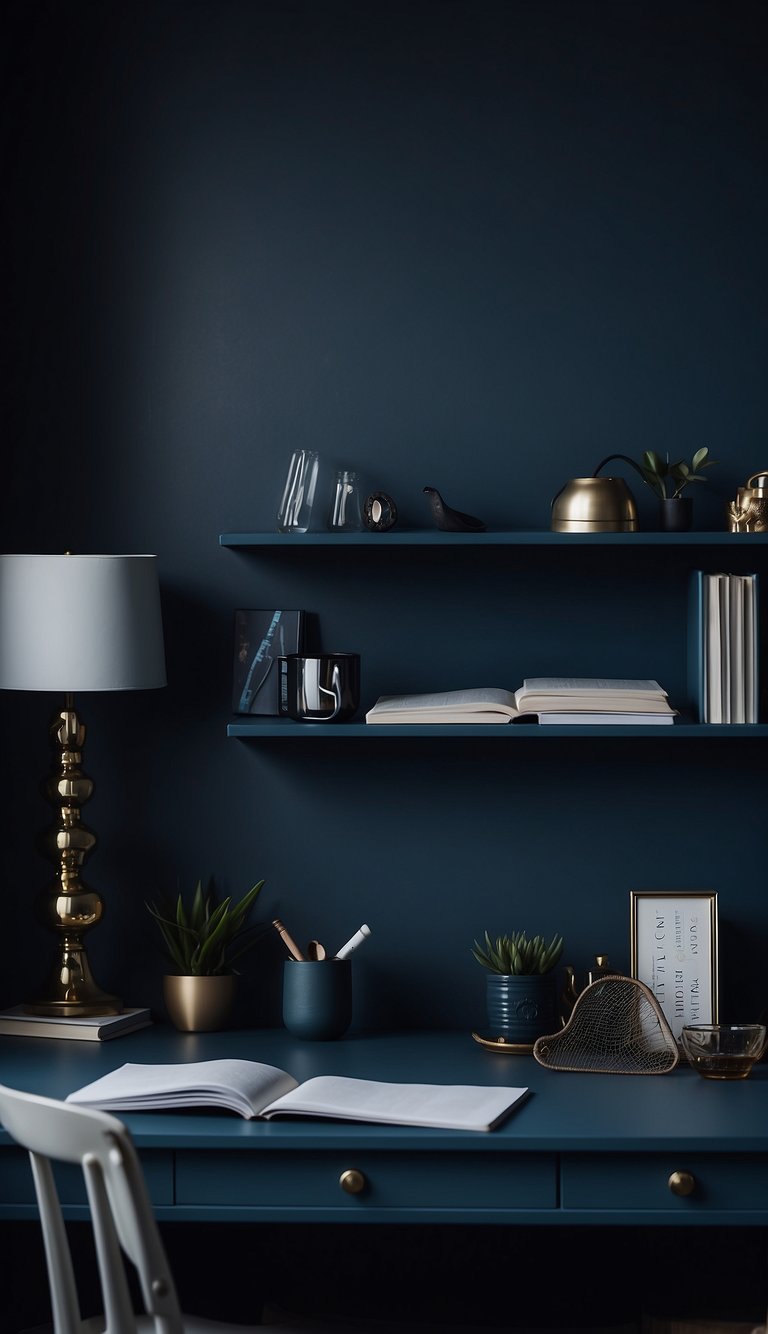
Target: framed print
[
  {"x": 261, "y": 637},
  {"x": 673, "y": 940}
]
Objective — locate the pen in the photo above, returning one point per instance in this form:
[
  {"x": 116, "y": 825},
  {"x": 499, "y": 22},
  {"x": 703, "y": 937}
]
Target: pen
[
  {"x": 288, "y": 941},
  {"x": 353, "y": 942}
]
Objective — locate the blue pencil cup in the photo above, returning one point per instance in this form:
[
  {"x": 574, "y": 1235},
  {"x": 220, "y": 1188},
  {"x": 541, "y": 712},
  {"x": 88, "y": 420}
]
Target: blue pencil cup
[{"x": 317, "y": 998}]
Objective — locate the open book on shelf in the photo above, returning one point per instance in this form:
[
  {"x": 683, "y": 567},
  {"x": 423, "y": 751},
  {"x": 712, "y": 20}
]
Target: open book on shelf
[
  {"x": 554, "y": 698},
  {"x": 256, "y": 1090}
]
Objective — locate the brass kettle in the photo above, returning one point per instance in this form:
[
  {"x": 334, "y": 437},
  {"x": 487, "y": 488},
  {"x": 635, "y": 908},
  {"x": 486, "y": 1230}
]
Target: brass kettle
[
  {"x": 748, "y": 513},
  {"x": 595, "y": 504}
]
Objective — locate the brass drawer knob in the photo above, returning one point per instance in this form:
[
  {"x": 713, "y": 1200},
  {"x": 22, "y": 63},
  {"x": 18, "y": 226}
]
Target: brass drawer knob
[
  {"x": 682, "y": 1183},
  {"x": 352, "y": 1181}
]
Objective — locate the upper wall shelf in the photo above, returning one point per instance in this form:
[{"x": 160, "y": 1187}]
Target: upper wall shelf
[{"x": 431, "y": 537}]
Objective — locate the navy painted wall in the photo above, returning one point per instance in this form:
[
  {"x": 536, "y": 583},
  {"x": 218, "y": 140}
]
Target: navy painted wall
[{"x": 476, "y": 245}]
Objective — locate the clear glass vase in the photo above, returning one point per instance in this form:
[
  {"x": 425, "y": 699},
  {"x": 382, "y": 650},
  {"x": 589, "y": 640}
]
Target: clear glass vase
[
  {"x": 295, "y": 511},
  {"x": 346, "y": 515}
]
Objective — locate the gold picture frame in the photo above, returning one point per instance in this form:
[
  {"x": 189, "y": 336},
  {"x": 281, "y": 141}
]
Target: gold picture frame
[{"x": 674, "y": 951}]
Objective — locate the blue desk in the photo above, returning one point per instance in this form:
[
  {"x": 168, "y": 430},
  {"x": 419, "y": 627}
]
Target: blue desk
[{"x": 582, "y": 1149}]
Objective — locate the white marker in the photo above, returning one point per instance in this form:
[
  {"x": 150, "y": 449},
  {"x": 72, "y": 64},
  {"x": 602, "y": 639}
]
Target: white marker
[{"x": 353, "y": 942}]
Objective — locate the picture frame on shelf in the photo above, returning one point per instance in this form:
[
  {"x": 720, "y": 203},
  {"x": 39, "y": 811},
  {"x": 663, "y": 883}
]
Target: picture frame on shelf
[
  {"x": 261, "y": 637},
  {"x": 674, "y": 951}
]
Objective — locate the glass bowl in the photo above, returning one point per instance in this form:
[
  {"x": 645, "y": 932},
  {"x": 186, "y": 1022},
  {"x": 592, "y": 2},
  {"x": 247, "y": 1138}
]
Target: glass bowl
[{"x": 723, "y": 1051}]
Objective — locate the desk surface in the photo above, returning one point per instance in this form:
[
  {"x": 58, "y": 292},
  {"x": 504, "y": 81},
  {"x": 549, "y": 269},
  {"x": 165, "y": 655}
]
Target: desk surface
[
  {"x": 564, "y": 1112},
  {"x": 581, "y": 1148}
]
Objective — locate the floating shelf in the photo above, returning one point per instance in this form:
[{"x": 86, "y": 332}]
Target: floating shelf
[
  {"x": 259, "y": 729},
  {"x": 431, "y": 537}
]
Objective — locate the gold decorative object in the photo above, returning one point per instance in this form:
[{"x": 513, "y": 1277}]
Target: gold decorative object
[
  {"x": 616, "y": 1028},
  {"x": 70, "y": 624},
  {"x": 748, "y": 513},
  {"x": 66, "y": 905},
  {"x": 595, "y": 505},
  {"x": 199, "y": 1004}
]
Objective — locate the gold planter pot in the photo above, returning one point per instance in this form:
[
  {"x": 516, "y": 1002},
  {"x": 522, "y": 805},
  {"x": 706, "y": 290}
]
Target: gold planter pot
[{"x": 199, "y": 1004}]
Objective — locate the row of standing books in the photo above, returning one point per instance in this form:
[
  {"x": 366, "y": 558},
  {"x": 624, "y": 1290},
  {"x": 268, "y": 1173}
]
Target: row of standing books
[{"x": 723, "y": 647}]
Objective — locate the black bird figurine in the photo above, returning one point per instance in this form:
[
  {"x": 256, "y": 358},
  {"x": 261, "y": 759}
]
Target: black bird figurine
[{"x": 449, "y": 520}]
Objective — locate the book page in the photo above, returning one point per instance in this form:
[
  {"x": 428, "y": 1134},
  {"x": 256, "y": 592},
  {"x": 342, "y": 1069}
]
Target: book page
[
  {"x": 750, "y": 648},
  {"x": 714, "y": 667},
  {"x": 448, "y": 1106},
  {"x": 588, "y": 685},
  {"x": 243, "y": 1086},
  {"x": 736, "y": 628},
  {"x": 465, "y": 702}
]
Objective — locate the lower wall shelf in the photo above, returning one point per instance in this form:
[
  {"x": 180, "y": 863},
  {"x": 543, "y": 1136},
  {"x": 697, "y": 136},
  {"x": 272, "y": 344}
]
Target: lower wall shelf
[{"x": 258, "y": 729}]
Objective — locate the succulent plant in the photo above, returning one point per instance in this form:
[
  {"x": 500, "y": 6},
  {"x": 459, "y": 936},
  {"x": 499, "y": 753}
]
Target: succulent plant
[
  {"x": 517, "y": 954},
  {"x": 205, "y": 938}
]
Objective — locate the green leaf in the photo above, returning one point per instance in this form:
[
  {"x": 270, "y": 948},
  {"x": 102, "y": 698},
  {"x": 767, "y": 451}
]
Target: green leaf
[
  {"x": 197, "y": 911},
  {"x": 654, "y": 463},
  {"x": 698, "y": 459}
]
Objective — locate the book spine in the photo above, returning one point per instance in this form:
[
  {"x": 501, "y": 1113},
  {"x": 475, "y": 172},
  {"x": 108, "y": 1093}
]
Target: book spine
[{"x": 696, "y": 648}]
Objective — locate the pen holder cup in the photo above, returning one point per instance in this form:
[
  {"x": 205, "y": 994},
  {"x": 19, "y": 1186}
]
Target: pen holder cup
[{"x": 317, "y": 998}]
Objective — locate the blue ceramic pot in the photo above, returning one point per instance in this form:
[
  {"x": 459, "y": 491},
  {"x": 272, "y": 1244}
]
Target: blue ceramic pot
[{"x": 521, "y": 1008}]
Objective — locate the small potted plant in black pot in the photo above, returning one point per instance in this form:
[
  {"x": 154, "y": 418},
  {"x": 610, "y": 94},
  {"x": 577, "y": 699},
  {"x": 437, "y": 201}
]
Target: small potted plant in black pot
[
  {"x": 668, "y": 481},
  {"x": 521, "y": 996}
]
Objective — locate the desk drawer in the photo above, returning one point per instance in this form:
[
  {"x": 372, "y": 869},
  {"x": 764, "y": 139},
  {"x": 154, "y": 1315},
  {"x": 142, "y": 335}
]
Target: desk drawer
[
  {"x": 642, "y": 1181},
  {"x": 17, "y": 1187},
  {"x": 392, "y": 1180}
]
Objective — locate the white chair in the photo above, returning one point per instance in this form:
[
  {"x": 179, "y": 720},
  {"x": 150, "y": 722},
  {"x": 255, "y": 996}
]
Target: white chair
[
  {"x": 124, "y": 1224},
  {"x": 121, "y": 1215}
]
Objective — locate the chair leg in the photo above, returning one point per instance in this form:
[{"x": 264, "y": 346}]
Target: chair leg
[
  {"x": 118, "y": 1307},
  {"x": 64, "y": 1300}
]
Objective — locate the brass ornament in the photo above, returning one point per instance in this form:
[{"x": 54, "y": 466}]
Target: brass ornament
[{"x": 748, "y": 513}]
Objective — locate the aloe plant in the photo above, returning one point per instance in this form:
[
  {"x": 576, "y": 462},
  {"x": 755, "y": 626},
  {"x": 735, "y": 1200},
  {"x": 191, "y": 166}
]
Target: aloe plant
[
  {"x": 206, "y": 937},
  {"x": 517, "y": 954}
]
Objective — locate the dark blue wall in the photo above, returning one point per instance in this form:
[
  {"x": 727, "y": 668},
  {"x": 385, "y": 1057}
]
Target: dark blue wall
[{"x": 476, "y": 245}]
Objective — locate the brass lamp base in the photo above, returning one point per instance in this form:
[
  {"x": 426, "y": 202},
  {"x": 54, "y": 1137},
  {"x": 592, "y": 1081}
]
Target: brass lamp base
[
  {"x": 70, "y": 991},
  {"x": 67, "y": 906}
]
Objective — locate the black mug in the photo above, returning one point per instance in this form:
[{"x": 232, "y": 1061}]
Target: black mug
[{"x": 320, "y": 689}]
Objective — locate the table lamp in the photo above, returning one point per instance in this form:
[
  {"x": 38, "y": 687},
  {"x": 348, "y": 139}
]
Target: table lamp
[{"x": 70, "y": 624}]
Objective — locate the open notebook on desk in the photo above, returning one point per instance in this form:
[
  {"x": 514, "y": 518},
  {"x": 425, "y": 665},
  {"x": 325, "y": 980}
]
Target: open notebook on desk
[{"x": 256, "y": 1090}]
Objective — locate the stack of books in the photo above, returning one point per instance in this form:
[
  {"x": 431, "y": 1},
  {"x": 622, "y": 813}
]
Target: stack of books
[
  {"x": 546, "y": 699},
  {"x": 723, "y": 647},
  {"x": 18, "y": 1023}
]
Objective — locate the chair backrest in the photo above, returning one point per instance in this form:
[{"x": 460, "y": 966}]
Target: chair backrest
[{"x": 121, "y": 1212}]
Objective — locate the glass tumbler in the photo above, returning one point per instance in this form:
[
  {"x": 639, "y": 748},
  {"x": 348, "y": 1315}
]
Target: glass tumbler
[
  {"x": 295, "y": 510},
  {"x": 345, "y": 514}
]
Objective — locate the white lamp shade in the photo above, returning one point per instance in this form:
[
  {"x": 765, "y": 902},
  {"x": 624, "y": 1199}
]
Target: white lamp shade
[{"x": 77, "y": 623}]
